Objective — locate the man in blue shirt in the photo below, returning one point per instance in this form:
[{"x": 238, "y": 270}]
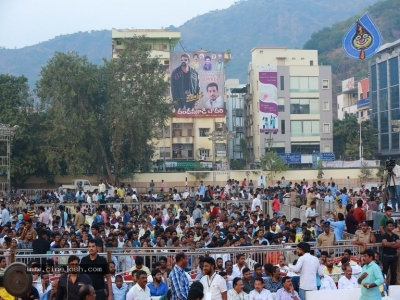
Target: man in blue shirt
[
  {"x": 344, "y": 197},
  {"x": 157, "y": 287}
]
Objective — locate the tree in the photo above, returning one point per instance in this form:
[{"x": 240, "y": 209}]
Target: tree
[
  {"x": 16, "y": 105},
  {"x": 320, "y": 168},
  {"x": 245, "y": 150},
  {"x": 346, "y": 138},
  {"x": 365, "y": 173},
  {"x": 273, "y": 163},
  {"x": 138, "y": 106},
  {"x": 102, "y": 119}
]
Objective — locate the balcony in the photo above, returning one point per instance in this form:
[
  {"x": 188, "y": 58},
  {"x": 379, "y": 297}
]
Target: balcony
[{"x": 182, "y": 140}]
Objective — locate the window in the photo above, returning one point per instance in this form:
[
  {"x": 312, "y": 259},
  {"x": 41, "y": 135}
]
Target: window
[
  {"x": 304, "y": 84},
  {"x": 203, "y": 132},
  {"x": 282, "y": 82},
  {"x": 165, "y": 152},
  {"x": 361, "y": 114},
  {"x": 383, "y": 97},
  {"x": 326, "y": 128},
  {"x": 373, "y": 78},
  {"x": 383, "y": 83},
  {"x": 361, "y": 96},
  {"x": 119, "y": 43},
  {"x": 281, "y": 104},
  {"x": 325, "y": 84},
  {"x": 394, "y": 71},
  {"x": 283, "y": 129},
  {"x": 326, "y": 105},
  {"x": 162, "y": 47},
  {"x": 311, "y": 62},
  {"x": 394, "y": 95},
  {"x": 204, "y": 153},
  {"x": 304, "y": 128},
  {"x": 165, "y": 132},
  {"x": 304, "y": 106}
]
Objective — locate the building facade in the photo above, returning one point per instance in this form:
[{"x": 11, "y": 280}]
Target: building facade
[
  {"x": 183, "y": 141},
  {"x": 304, "y": 98},
  {"x": 235, "y": 93},
  {"x": 384, "y": 86},
  {"x": 354, "y": 99}
]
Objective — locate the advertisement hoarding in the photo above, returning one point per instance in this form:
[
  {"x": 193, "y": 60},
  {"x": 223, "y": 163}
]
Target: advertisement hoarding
[
  {"x": 268, "y": 98},
  {"x": 348, "y": 84},
  {"x": 291, "y": 158},
  {"x": 197, "y": 84}
]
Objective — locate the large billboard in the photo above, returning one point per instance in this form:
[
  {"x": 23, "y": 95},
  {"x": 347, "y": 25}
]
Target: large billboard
[
  {"x": 197, "y": 84},
  {"x": 268, "y": 98},
  {"x": 348, "y": 84}
]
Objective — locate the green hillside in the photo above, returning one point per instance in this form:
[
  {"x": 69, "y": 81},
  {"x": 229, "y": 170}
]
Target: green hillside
[
  {"x": 328, "y": 41},
  {"x": 239, "y": 28}
]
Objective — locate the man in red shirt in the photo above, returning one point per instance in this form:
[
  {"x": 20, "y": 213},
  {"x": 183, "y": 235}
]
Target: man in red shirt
[
  {"x": 214, "y": 211},
  {"x": 359, "y": 213},
  {"x": 244, "y": 182}
]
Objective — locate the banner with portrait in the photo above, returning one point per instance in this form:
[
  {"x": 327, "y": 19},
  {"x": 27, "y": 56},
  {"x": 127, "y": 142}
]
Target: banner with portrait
[
  {"x": 268, "y": 98},
  {"x": 197, "y": 84}
]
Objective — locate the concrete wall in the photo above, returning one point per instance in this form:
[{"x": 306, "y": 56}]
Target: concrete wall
[{"x": 142, "y": 180}]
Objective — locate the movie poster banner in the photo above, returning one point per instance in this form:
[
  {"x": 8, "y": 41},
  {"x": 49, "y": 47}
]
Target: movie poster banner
[
  {"x": 197, "y": 84},
  {"x": 268, "y": 98}
]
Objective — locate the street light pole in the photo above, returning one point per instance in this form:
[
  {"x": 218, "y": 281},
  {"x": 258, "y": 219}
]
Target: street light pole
[
  {"x": 361, "y": 150},
  {"x": 164, "y": 167}
]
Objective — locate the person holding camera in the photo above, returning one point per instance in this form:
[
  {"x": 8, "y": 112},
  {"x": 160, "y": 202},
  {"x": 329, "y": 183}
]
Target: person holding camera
[{"x": 392, "y": 173}]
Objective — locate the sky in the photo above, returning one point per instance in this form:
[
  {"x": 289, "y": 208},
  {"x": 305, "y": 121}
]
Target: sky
[{"x": 28, "y": 22}]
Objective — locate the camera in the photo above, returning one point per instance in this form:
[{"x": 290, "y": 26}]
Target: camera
[{"x": 390, "y": 164}]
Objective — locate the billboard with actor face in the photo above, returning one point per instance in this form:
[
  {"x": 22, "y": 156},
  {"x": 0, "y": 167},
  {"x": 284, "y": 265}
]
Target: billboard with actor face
[{"x": 197, "y": 84}]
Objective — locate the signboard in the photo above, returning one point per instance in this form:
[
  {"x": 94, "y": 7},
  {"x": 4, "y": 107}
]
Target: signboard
[
  {"x": 328, "y": 156},
  {"x": 268, "y": 98},
  {"x": 362, "y": 103},
  {"x": 197, "y": 84},
  {"x": 348, "y": 84},
  {"x": 291, "y": 158},
  {"x": 188, "y": 164}
]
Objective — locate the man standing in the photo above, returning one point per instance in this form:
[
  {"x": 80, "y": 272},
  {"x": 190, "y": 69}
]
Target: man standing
[
  {"x": 385, "y": 218},
  {"x": 214, "y": 285},
  {"x": 364, "y": 237},
  {"x": 311, "y": 213},
  {"x": 96, "y": 267},
  {"x": 79, "y": 218},
  {"x": 391, "y": 243},
  {"x": 327, "y": 238},
  {"x": 240, "y": 263},
  {"x": 5, "y": 215},
  {"x": 140, "y": 291},
  {"x": 178, "y": 280},
  {"x": 215, "y": 100},
  {"x": 157, "y": 287},
  {"x": 184, "y": 82},
  {"x": 351, "y": 221},
  {"x": 308, "y": 266},
  {"x": 70, "y": 283},
  {"x": 371, "y": 277}
]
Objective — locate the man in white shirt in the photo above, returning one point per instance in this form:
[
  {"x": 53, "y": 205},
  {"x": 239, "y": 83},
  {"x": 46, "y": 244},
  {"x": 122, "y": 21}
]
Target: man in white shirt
[
  {"x": 311, "y": 212},
  {"x": 140, "y": 291},
  {"x": 259, "y": 293},
  {"x": 348, "y": 281},
  {"x": 214, "y": 285},
  {"x": 308, "y": 267},
  {"x": 256, "y": 202},
  {"x": 102, "y": 186},
  {"x": 5, "y": 215},
  {"x": 215, "y": 99},
  {"x": 327, "y": 283},
  {"x": 328, "y": 200},
  {"x": 240, "y": 263}
]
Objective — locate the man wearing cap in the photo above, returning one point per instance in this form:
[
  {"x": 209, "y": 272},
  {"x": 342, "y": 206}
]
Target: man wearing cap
[
  {"x": 385, "y": 218},
  {"x": 364, "y": 236},
  {"x": 327, "y": 238},
  {"x": 341, "y": 208}
]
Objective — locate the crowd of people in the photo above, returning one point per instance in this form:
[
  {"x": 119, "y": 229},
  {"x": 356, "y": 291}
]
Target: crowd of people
[{"x": 157, "y": 242}]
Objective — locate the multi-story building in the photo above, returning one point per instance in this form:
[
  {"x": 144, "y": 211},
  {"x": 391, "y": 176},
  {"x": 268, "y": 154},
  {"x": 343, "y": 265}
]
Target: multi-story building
[
  {"x": 304, "y": 98},
  {"x": 234, "y": 93},
  {"x": 183, "y": 141},
  {"x": 384, "y": 90},
  {"x": 354, "y": 99}
]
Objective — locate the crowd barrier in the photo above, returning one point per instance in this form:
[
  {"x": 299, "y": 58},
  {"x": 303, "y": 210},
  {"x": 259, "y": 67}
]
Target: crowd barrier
[{"x": 124, "y": 257}]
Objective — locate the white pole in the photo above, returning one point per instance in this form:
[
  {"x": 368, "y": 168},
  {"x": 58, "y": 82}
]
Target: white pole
[{"x": 361, "y": 154}]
